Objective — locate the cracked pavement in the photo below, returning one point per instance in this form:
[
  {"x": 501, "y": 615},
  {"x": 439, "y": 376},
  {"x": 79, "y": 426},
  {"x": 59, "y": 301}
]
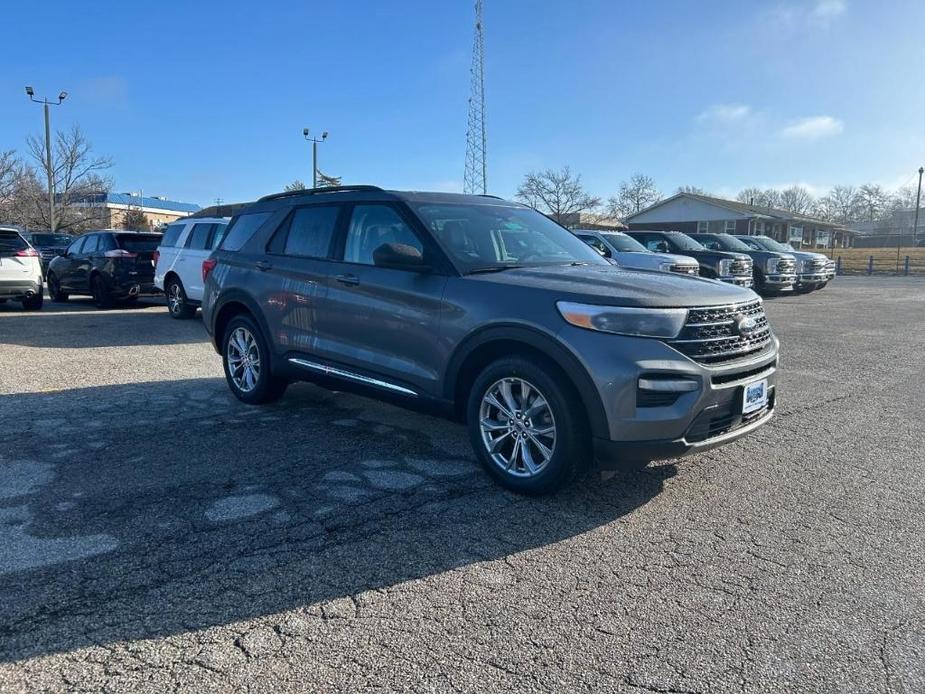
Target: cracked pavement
[{"x": 156, "y": 535}]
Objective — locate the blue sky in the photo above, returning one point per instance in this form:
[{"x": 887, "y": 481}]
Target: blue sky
[{"x": 207, "y": 99}]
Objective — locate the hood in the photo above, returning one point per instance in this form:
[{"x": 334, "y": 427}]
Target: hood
[
  {"x": 708, "y": 253},
  {"x": 657, "y": 258},
  {"x": 616, "y": 286},
  {"x": 767, "y": 255},
  {"x": 807, "y": 255}
]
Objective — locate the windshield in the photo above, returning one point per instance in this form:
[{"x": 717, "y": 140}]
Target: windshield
[
  {"x": 684, "y": 242},
  {"x": 727, "y": 243},
  {"x": 626, "y": 244},
  {"x": 772, "y": 245},
  {"x": 51, "y": 239},
  {"x": 488, "y": 236}
]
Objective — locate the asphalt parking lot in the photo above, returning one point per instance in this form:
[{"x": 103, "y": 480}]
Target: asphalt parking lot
[{"x": 156, "y": 535}]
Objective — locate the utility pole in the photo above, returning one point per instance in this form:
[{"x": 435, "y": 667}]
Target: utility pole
[
  {"x": 918, "y": 198},
  {"x": 51, "y": 179},
  {"x": 314, "y": 141}
]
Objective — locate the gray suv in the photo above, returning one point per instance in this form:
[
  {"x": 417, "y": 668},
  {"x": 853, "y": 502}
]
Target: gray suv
[{"x": 488, "y": 312}]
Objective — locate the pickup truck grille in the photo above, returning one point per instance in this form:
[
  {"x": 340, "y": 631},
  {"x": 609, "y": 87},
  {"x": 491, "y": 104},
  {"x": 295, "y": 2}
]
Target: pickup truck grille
[
  {"x": 686, "y": 269},
  {"x": 786, "y": 266},
  {"x": 815, "y": 265},
  {"x": 741, "y": 267},
  {"x": 718, "y": 334}
]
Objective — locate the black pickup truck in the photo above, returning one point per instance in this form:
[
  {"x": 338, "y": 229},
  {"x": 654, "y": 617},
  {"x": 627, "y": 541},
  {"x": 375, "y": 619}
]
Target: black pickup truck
[
  {"x": 774, "y": 272},
  {"x": 733, "y": 268}
]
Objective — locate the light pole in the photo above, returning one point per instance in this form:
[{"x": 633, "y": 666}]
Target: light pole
[
  {"x": 918, "y": 198},
  {"x": 51, "y": 179},
  {"x": 314, "y": 141}
]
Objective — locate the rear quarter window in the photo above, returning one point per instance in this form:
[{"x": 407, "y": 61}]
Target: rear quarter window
[
  {"x": 172, "y": 235},
  {"x": 11, "y": 241},
  {"x": 241, "y": 230}
]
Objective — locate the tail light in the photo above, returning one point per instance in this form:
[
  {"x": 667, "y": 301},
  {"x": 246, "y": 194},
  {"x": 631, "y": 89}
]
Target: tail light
[
  {"x": 28, "y": 253},
  {"x": 119, "y": 253},
  {"x": 208, "y": 265}
]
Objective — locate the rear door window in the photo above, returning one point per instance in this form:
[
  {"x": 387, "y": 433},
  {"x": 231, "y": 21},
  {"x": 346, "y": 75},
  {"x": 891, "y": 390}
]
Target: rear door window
[
  {"x": 242, "y": 228},
  {"x": 199, "y": 237},
  {"x": 172, "y": 235},
  {"x": 307, "y": 232}
]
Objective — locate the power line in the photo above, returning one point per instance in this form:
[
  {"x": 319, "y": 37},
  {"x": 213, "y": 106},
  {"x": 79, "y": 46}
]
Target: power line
[{"x": 476, "y": 175}]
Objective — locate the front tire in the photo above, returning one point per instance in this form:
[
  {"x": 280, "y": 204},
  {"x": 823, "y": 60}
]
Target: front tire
[
  {"x": 246, "y": 359},
  {"x": 526, "y": 425},
  {"x": 54, "y": 289},
  {"x": 177, "y": 303}
]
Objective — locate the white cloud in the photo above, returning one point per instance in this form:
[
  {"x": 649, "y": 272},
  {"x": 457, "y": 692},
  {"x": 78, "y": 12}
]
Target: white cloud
[
  {"x": 827, "y": 10},
  {"x": 812, "y": 128},
  {"x": 724, "y": 113}
]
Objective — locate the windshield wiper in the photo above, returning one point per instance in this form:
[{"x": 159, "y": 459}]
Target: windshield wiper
[{"x": 493, "y": 268}]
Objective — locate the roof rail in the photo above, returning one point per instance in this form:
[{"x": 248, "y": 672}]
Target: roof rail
[
  {"x": 315, "y": 191},
  {"x": 488, "y": 195}
]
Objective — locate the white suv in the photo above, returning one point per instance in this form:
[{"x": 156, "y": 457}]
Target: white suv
[
  {"x": 20, "y": 271},
  {"x": 178, "y": 261}
]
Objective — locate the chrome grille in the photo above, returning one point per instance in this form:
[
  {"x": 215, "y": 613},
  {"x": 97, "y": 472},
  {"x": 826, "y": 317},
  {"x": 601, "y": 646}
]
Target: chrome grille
[
  {"x": 686, "y": 269},
  {"x": 712, "y": 335},
  {"x": 741, "y": 267},
  {"x": 785, "y": 266}
]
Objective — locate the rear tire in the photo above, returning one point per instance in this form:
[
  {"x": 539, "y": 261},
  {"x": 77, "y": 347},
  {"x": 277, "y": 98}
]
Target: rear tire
[
  {"x": 101, "y": 296},
  {"x": 54, "y": 290},
  {"x": 246, "y": 360},
  {"x": 527, "y": 425},
  {"x": 35, "y": 303},
  {"x": 177, "y": 304}
]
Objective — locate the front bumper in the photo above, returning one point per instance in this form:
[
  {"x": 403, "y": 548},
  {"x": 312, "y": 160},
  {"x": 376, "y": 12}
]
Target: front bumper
[
  {"x": 19, "y": 288},
  {"x": 708, "y": 415},
  {"x": 780, "y": 283},
  {"x": 738, "y": 280}
]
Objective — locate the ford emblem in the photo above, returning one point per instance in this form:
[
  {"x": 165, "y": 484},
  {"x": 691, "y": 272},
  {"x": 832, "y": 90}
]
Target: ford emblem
[{"x": 746, "y": 325}]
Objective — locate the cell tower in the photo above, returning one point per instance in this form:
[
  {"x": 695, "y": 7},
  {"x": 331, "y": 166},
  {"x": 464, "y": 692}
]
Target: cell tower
[{"x": 476, "y": 177}]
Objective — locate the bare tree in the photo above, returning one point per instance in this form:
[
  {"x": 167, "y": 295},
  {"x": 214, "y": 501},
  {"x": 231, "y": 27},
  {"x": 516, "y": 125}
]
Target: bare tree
[
  {"x": 762, "y": 197},
  {"x": 10, "y": 171},
  {"x": 558, "y": 194},
  {"x": 78, "y": 178},
  {"x": 325, "y": 181},
  {"x": 635, "y": 194},
  {"x": 797, "y": 199},
  {"x": 874, "y": 200},
  {"x": 297, "y": 184},
  {"x": 693, "y": 190},
  {"x": 842, "y": 204}
]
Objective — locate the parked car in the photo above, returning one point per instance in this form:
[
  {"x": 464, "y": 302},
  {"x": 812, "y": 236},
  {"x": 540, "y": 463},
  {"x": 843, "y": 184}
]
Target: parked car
[
  {"x": 109, "y": 265},
  {"x": 627, "y": 252},
  {"x": 178, "y": 261},
  {"x": 485, "y": 310},
  {"x": 774, "y": 272},
  {"x": 20, "y": 271},
  {"x": 730, "y": 267},
  {"x": 814, "y": 270},
  {"x": 49, "y": 245}
]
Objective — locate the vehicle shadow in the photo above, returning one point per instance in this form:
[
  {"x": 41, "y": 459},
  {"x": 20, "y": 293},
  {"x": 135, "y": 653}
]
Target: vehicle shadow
[
  {"x": 79, "y": 323},
  {"x": 126, "y": 517}
]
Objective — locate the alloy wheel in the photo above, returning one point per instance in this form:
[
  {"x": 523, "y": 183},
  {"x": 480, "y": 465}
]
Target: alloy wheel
[
  {"x": 518, "y": 427},
  {"x": 174, "y": 299},
  {"x": 243, "y": 359}
]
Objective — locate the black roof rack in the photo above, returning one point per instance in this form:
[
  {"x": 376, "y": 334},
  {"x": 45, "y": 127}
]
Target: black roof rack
[
  {"x": 315, "y": 191},
  {"x": 489, "y": 195}
]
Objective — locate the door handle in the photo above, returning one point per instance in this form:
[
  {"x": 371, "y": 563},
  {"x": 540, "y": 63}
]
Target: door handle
[
  {"x": 263, "y": 265},
  {"x": 348, "y": 280}
]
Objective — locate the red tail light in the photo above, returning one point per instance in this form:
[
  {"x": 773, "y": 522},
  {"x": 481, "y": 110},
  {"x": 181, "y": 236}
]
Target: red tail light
[
  {"x": 120, "y": 253},
  {"x": 208, "y": 265},
  {"x": 28, "y": 253}
]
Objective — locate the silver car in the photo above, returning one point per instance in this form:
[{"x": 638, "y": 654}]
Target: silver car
[{"x": 627, "y": 252}]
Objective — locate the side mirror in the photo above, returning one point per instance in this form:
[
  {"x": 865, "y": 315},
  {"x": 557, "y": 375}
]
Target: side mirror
[{"x": 398, "y": 256}]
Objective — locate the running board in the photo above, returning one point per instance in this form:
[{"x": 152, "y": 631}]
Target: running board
[{"x": 340, "y": 373}]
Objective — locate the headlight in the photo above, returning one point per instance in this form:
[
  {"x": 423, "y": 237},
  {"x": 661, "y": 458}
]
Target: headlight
[
  {"x": 724, "y": 267},
  {"x": 665, "y": 267},
  {"x": 641, "y": 322},
  {"x": 771, "y": 266}
]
